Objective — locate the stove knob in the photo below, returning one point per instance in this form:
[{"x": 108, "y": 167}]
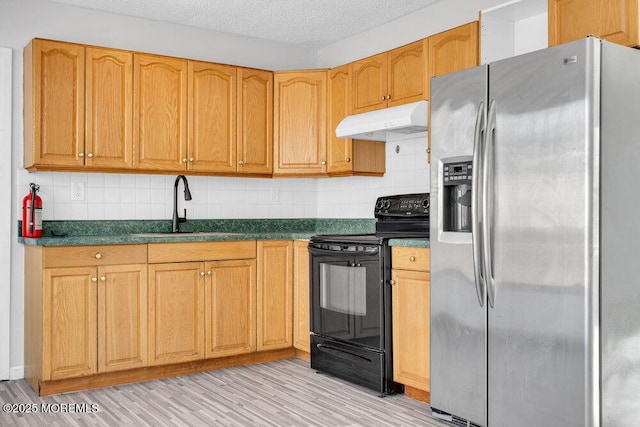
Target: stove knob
[
  {"x": 425, "y": 203},
  {"x": 387, "y": 204},
  {"x": 379, "y": 204}
]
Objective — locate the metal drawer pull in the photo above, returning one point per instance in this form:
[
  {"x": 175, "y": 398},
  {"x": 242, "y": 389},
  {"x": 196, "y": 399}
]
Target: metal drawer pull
[
  {"x": 412, "y": 258},
  {"x": 98, "y": 255}
]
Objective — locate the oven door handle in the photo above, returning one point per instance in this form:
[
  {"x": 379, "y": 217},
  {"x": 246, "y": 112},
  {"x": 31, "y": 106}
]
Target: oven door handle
[
  {"x": 318, "y": 251},
  {"x": 327, "y": 348}
]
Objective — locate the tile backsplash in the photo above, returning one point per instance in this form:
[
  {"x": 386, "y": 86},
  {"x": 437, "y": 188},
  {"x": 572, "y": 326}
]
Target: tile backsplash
[{"x": 133, "y": 196}]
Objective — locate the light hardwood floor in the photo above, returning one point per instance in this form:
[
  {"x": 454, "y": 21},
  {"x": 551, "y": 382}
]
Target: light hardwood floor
[{"x": 283, "y": 393}]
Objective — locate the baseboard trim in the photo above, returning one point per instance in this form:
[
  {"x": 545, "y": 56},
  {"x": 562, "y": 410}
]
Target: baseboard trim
[
  {"x": 415, "y": 393},
  {"x": 16, "y": 372},
  {"x": 156, "y": 372}
]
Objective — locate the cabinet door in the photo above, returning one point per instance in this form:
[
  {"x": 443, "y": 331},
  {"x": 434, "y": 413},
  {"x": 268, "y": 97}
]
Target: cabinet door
[
  {"x": 176, "y": 312},
  {"x": 255, "y": 121},
  {"x": 230, "y": 308},
  {"x": 275, "y": 299},
  {"x": 370, "y": 83},
  {"x": 301, "y": 329},
  {"x": 109, "y": 103},
  {"x": 122, "y": 317},
  {"x": 407, "y": 79},
  {"x": 54, "y": 104},
  {"x": 339, "y": 150},
  {"x": 69, "y": 339},
  {"x": 453, "y": 50},
  {"x": 612, "y": 20},
  {"x": 159, "y": 113},
  {"x": 300, "y": 123},
  {"x": 411, "y": 328},
  {"x": 212, "y": 117}
]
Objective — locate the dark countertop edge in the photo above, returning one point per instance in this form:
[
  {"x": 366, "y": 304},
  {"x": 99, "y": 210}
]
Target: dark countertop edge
[
  {"x": 130, "y": 239},
  {"x": 411, "y": 243}
]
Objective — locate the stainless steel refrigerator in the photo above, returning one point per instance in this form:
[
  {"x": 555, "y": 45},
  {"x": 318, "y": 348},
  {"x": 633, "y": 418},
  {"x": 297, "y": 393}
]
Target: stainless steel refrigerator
[{"x": 535, "y": 239}]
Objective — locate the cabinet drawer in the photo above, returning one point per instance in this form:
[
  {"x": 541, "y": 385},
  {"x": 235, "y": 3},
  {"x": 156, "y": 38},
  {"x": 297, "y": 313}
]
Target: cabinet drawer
[
  {"x": 80, "y": 256},
  {"x": 201, "y": 251},
  {"x": 405, "y": 258}
]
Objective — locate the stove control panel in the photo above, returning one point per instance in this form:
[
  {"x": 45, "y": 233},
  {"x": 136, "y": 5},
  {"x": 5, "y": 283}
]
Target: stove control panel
[{"x": 405, "y": 205}]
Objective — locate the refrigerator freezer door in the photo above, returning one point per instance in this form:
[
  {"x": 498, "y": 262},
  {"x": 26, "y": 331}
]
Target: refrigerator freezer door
[
  {"x": 458, "y": 321},
  {"x": 542, "y": 235}
]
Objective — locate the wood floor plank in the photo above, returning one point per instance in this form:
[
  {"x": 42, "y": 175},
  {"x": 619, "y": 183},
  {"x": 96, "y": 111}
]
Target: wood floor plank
[{"x": 282, "y": 393}]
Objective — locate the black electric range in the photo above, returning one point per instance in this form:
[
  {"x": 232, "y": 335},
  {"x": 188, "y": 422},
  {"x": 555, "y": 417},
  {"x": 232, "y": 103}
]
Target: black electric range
[{"x": 350, "y": 294}]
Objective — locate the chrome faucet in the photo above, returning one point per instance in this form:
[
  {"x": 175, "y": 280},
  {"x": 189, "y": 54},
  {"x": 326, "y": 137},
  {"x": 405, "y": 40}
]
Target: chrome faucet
[{"x": 175, "y": 226}]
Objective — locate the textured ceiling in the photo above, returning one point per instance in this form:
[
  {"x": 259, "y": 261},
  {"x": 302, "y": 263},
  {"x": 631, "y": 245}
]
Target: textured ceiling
[{"x": 313, "y": 23}]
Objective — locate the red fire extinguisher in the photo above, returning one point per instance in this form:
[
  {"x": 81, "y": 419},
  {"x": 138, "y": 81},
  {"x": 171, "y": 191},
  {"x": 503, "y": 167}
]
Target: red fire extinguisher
[{"x": 32, "y": 213}]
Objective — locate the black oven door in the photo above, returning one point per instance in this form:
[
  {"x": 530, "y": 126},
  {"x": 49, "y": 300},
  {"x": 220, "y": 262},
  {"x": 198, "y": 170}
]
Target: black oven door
[{"x": 347, "y": 294}]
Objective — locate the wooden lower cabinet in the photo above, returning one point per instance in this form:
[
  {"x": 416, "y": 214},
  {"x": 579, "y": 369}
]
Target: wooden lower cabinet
[
  {"x": 83, "y": 314},
  {"x": 70, "y": 328},
  {"x": 275, "y": 299},
  {"x": 176, "y": 312},
  {"x": 112, "y": 314},
  {"x": 411, "y": 317},
  {"x": 230, "y": 307},
  {"x": 122, "y": 317},
  {"x": 301, "y": 327}
]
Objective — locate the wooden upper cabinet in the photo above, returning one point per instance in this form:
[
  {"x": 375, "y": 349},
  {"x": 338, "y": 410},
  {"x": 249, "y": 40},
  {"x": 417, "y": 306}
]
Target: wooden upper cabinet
[
  {"x": 453, "y": 50},
  {"x": 299, "y": 143},
  {"x": 54, "y": 109},
  {"x": 160, "y": 113},
  {"x": 212, "y": 117},
  {"x": 255, "y": 121},
  {"x": 339, "y": 150},
  {"x": 391, "y": 78},
  {"x": 109, "y": 104},
  {"x": 612, "y": 20},
  {"x": 346, "y": 156},
  {"x": 370, "y": 83},
  {"x": 407, "y": 76}
]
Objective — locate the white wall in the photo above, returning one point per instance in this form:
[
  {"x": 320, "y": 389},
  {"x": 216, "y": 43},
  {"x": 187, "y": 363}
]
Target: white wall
[
  {"x": 407, "y": 172},
  {"x": 116, "y": 196}
]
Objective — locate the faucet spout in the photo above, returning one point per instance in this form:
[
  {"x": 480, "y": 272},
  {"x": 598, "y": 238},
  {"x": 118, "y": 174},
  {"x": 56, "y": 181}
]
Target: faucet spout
[{"x": 177, "y": 219}]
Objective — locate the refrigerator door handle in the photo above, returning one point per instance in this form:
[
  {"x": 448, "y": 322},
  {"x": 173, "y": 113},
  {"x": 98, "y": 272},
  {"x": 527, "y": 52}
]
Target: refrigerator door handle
[
  {"x": 487, "y": 203},
  {"x": 476, "y": 205}
]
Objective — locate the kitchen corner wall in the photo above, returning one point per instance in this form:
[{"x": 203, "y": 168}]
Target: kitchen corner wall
[{"x": 407, "y": 171}]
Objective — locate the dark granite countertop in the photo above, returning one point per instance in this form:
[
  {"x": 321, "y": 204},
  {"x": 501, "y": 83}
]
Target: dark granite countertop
[{"x": 95, "y": 232}]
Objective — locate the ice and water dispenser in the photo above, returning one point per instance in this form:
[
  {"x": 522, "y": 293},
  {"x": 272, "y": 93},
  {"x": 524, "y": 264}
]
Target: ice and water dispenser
[{"x": 456, "y": 194}]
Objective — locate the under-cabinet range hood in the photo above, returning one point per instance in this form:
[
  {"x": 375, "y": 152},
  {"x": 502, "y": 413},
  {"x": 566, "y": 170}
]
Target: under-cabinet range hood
[{"x": 385, "y": 124}]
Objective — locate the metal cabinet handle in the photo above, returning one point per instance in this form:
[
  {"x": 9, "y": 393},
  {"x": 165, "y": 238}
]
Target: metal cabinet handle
[
  {"x": 412, "y": 258},
  {"x": 323, "y": 162},
  {"x": 202, "y": 273},
  {"x": 382, "y": 98},
  {"x": 191, "y": 159},
  {"x": 80, "y": 154},
  {"x": 348, "y": 159},
  {"x": 209, "y": 272},
  {"x": 94, "y": 279},
  {"x": 184, "y": 160},
  {"x": 388, "y": 97},
  {"x": 102, "y": 278},
  {"x": 241, "y": 163},
  {"x": 392, "y": 282},
  {"x": 90, "y": 155},
  {"x": 98, "y": 255}
]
